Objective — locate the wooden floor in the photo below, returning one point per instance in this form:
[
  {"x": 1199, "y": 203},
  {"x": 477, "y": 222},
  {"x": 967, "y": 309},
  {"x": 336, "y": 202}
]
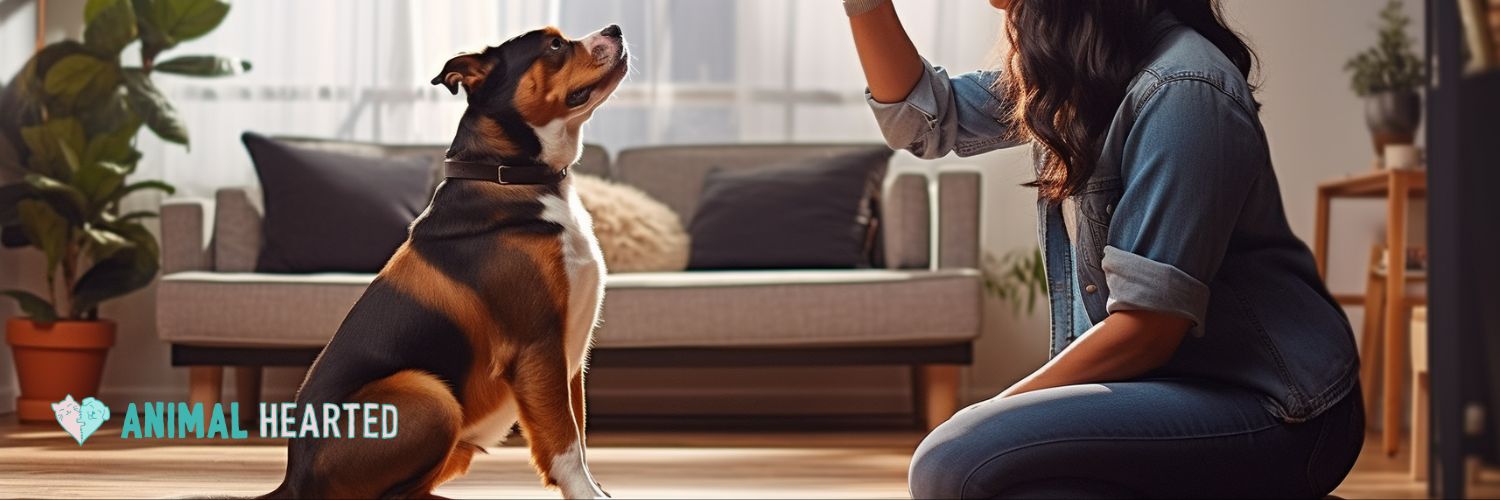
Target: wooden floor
[{"x": 42, "y": 461}]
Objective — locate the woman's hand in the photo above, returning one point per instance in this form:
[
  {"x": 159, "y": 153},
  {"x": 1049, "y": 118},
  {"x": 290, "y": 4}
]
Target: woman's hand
[
  {"x": 892, "y": 66},
  {"x": 1125, "y": 345}
]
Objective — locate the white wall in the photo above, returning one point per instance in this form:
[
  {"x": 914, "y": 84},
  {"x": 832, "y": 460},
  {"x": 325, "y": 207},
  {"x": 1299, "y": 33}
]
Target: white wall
[
  {"x": 1316, "y": 133},
  {"x": 17, "y": 40}
]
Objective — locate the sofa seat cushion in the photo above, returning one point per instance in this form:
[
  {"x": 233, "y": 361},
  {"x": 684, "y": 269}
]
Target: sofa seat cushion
[
  {"x": 790, "y": 308},
  {"x": 681, "y": 309},
  {"x": 255, "y": 309}
]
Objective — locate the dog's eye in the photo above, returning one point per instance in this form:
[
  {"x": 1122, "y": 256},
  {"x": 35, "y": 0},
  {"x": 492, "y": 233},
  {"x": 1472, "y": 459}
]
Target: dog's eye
[{"x": 557, "y": 44}]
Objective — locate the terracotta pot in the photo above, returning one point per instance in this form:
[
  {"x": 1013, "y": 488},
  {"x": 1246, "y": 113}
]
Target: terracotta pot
[{"x": 55, "y": 360}]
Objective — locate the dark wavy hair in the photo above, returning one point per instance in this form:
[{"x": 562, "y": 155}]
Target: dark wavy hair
[{"x": 1068, "y": 69}]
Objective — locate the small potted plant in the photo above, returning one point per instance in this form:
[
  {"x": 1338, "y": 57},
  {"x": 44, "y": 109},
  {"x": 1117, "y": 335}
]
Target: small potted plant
[
  {"x": 68, "y": 123},
  {"x": 1387, "y": 76},
  {"x": 1018, "y": 278}
]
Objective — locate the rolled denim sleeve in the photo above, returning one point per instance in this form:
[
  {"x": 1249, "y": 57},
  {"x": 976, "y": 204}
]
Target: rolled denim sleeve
[
  {"x": 960, "y": 114},
  {"x": 1187, "y": 167}
]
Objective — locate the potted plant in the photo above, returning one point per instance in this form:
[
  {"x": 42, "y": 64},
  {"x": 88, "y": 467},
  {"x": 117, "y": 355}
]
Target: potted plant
[
  {"x": 68, "y": 123},
  {"x": 1018, "y": 278},
  {"x": 1387, "y": 76}
]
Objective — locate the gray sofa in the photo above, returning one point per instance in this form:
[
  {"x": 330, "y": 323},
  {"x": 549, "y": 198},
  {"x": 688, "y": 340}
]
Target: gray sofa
[{"x": 919, "y": 311}]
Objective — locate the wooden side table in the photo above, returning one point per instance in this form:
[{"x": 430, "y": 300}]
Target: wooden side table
[{"x": 1397, "y": 187}]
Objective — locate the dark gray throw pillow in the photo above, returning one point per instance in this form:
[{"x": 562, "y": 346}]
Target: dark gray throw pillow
[
  {"x": 333, "y": 212},
  {"x": 808, "y": 214}
]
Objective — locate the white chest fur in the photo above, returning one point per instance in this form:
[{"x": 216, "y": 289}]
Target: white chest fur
[{"x": 585, "y": 267}]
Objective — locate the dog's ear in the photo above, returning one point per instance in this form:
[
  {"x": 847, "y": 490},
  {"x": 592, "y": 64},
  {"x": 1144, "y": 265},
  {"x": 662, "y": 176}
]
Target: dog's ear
[{"x": 466, "y": 69}]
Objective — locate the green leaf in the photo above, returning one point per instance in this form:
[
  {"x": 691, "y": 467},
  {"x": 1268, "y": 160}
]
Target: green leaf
[
  {"x": 46, "y": 229},
  {"x": 81, "y": 79},
  {"x": 188, "y": 19},
  {"x": 94, "y": 7},
  {"x": 114, "y": 147},
  {"x": 46, "y": 143},
  {"x": 64, "y": 199},
  {"x": 138, "y": 214},
  {"x": 125, "y": 271},
  {"x": 98, "y": 181},
  {"x": 153, "y": 108},
  {"x": 206, "y": 66},
  {"x": 71, "y": 75},
  {"x": 110, "y": 26},
  {"x": 29, "y": 85},
  {"x": 153, "y": 37},
  {"x": 37, "y": 308},
  {"x": 112, "y": 129},
  {"x": 142, "y": 185},
  {"x": 103, "y": 243},
  {"x": 165, "y": 23}
]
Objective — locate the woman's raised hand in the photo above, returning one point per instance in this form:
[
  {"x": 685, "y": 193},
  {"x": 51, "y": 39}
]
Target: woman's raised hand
[{"x": 890, "y": 61}]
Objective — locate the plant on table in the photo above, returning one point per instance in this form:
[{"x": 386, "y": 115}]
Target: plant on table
[{"x": 1387, "y": 76}]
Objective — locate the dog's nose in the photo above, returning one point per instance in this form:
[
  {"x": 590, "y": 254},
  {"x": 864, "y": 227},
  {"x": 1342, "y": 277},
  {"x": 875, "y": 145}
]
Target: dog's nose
[{"x": 612, "y": 31}]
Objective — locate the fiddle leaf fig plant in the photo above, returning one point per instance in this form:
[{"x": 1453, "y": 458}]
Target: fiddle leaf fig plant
[{"x": 68, "y": 124}]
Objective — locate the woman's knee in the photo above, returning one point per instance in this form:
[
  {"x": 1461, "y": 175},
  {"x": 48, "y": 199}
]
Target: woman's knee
[
  {"x": 955, "y": 456},
  {"x": 940, "y": 466}
]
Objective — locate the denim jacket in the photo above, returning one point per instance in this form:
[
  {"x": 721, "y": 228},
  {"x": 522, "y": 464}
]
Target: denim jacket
[{"x": 1182, "y": 215}]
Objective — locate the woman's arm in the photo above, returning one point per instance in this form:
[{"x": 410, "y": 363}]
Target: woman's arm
[
  {"x": 1125, "y": 345},
  {"x": 892, "y": 66},
  {"x": 921, "y": 109}
]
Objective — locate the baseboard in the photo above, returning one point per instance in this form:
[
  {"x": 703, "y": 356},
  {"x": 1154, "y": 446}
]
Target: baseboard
[
  {"x": 651, "y": 400},
  {"x": 749, "y": 401}
]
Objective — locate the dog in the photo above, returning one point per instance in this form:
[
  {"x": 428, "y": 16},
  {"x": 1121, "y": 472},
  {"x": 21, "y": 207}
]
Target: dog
[{"x": 484, "y": 317}]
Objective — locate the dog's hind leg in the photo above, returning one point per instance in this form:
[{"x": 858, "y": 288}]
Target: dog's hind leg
[
  {"x": 542, "y": 388},
  {"x": 424, "y": 453}
]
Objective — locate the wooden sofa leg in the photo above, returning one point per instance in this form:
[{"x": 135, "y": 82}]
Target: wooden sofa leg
[
  {"x": 939, "y": 390},
  {"x": 205, "y": 385},
  {"x": 247, "y": 392}
]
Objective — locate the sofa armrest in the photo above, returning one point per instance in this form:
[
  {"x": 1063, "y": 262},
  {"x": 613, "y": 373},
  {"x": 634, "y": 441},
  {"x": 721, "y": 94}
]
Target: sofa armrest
[
  {"x": 237, "y": 236},
  {"x": 184, "y": 236},
  {"x": 958, "y": 219},
  {"x": 906, "y": 212}
]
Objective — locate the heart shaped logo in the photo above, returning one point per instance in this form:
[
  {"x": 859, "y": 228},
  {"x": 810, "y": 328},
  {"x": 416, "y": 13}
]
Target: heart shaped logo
[{"x": 80, "y": 420}]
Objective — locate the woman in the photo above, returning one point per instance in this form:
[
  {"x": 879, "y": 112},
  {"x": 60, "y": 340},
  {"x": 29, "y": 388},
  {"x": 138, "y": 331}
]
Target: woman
[{"x": 1195, "y": 350}]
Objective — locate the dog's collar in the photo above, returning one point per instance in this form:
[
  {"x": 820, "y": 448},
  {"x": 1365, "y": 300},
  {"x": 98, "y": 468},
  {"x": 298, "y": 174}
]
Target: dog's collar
[{"x": 502, "y": 174}]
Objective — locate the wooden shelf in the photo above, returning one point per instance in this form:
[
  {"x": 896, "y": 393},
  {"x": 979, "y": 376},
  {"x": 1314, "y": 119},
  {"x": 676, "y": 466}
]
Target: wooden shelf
[
  {"x": 1374, "y": 184},
  {"x": 1354, "y": 299}
]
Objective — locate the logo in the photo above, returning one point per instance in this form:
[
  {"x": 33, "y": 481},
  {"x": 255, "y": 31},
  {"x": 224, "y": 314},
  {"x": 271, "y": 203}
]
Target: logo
[
  {"x": 80, "y": 420},
  {"x": 181, "y": 420}
]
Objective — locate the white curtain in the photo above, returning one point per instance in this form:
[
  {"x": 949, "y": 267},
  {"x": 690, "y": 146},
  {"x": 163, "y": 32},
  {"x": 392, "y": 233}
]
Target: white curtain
[{"x": 706, "y": 71}]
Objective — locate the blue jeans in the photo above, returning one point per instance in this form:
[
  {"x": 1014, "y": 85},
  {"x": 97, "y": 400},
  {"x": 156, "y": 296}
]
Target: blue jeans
[{"x": 1145, "y": 438}]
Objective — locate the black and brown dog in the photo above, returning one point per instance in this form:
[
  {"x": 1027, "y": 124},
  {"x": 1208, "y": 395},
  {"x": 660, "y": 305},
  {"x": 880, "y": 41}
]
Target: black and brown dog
[{"x": 484, "y": 316}]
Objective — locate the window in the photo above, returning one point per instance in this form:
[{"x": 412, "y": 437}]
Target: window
[{"x": 705, "y": 71}]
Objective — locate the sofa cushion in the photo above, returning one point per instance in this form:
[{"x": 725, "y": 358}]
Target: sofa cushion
[
  {"x": 687, "y": 309},
  {"x": 255, "y": 309},
  {"x": 803, "y": 214},
  {"x": 674, "y": 174},
  {"x": 334, "y": 212},
  {"x": 790, "y": 308}
]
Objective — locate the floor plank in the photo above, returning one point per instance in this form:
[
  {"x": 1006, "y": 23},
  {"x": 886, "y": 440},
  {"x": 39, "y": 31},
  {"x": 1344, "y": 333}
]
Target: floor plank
[{"x": 42, "y": 461}]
